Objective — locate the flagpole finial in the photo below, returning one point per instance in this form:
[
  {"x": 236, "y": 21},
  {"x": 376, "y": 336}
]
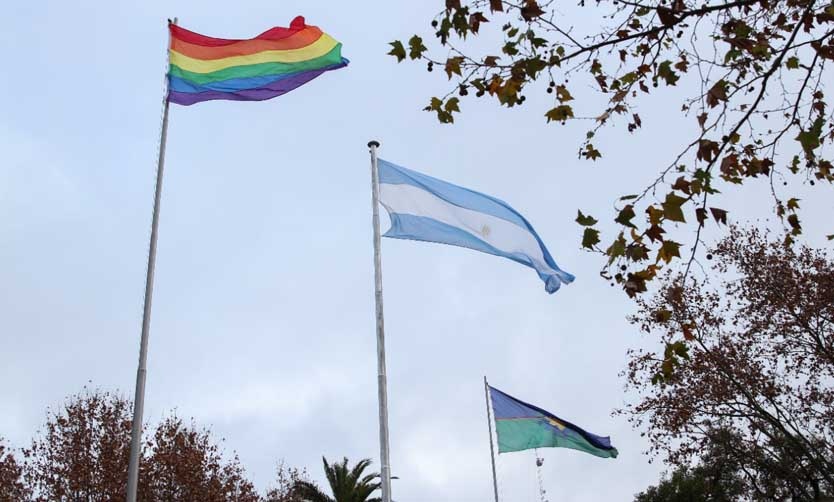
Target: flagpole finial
[{"x": 373, "y": 143}]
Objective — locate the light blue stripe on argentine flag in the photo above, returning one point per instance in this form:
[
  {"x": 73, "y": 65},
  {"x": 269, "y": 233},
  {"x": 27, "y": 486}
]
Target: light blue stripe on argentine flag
[{"x": 427, "y": 209}]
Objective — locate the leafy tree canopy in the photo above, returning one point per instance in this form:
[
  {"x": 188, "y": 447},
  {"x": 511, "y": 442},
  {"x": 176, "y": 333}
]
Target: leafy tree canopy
[
  {"x": 750, "y": 74},
  {"x": 756, "y": 387}
]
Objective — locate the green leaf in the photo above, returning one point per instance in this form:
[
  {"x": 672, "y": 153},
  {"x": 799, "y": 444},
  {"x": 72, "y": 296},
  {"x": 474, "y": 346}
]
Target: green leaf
[
  {"x": 533, "y": 66},
  {"x": 452, "y": 105},
  {"x": 416, "y": 47},
  {"x": 629, "y": 197},
  {"x": 810, "y": 139},
  {"x": 669, "y": 250},
  {"x": 590, "y": 238},
  {"x": 792, "y": 63},
  {"x": 397, "y": 50},
  {"x": 672, "y": 208},
  {"x": 509, "y": 49},
  {"x": 665, "y": 71},
  {"x": 625, "y": 216},
  {"x": 585, "y": 221},
  {"x": 616, "y": 249},
  {"x": 560, "y": 113},
  {"x": 830, "y": 237}
]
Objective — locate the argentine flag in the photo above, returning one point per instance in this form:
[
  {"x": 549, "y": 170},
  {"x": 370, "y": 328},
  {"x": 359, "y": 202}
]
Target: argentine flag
[{"x": 423, "y": 208}]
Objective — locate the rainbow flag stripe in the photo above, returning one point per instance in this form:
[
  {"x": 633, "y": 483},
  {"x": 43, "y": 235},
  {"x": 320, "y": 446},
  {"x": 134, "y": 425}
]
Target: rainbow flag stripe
[{"x": 273, "y": 63}]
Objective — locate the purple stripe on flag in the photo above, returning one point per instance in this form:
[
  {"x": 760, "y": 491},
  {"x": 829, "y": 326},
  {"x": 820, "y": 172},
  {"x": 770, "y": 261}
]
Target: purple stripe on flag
[{"x": 268, "y": 91}]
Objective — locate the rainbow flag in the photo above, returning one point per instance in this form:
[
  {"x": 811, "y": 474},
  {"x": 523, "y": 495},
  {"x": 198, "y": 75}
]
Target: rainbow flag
[{"x": 273, "y": 63}]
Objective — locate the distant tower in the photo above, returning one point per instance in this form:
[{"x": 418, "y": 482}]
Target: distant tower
[{"x": 542, "y": 491}]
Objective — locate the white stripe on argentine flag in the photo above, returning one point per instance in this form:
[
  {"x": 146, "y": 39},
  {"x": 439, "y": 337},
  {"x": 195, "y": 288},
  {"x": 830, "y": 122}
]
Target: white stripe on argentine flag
[{"x": 427, "y": 209}]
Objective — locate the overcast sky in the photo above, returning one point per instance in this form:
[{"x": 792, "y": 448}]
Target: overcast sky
[{"x": 263, "y": 322}]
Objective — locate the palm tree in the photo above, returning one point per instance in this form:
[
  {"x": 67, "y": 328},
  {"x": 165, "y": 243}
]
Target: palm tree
[{"x": 347, "y": 485}]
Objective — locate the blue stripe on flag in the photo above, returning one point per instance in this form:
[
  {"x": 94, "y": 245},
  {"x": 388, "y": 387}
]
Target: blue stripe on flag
[
  {"x": 459, "y": 196},
  {"x": 421, "y": 228},
  {"x": 470, "y": 201}
]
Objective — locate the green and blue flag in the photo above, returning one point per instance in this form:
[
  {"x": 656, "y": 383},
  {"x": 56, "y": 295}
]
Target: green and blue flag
[{"x": 521, "y": 426}]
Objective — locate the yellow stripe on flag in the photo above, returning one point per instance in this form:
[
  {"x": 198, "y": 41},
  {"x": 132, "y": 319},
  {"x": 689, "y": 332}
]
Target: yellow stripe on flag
[{"x": 319, "y": 48}]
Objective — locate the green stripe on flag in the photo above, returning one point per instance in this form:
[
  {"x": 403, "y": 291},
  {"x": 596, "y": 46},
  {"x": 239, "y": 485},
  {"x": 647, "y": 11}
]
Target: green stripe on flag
[{"x": 526, "y": 433}]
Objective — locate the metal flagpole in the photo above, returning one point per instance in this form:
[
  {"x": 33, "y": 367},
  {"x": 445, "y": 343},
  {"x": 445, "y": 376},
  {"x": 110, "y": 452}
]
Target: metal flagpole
[
  {"x": 141, "y": 373},
  {"x": 382, "y": 382},
  {"x": 491, "y": 447}
]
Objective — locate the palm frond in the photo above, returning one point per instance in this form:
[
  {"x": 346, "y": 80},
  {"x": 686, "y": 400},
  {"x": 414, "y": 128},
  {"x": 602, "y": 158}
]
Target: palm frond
[{"x": 309, "y": 492}]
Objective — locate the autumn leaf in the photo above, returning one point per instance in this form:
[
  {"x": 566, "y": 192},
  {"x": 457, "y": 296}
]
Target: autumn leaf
[
  {"x": 793, "y": 221},
  {"x": 496, "y": 5},
  {"x": 668, "y": 251},
  {"x": 719, "y": 215},
  {"x": 591, "y": 153},
  {"x": 682, "y": 185},
  {"x": 560, "y": 113},
  {"x": 701, "y": 215},
  {"x": 562, "y": 94},
  {"x": 655, "y": 233},
  {"x": 717, "y": 93},
  {"x": 453, "y": 66},
  {"x": 475, "y": 21},
  {"x": 531, "y": 10}
]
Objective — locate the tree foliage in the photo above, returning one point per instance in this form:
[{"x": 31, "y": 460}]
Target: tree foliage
[
  {"x": 82, "y": 454},
  {"x": 286, "y": 479},
  {"x": 12, "y": 487},
  {"x": 716, "y": 478},
  {"x": 759, "y": 346},
  {"x": 185, "y": 464},
  {"x": 348, "y": 484},
  {"x": 750, "y": 74}
]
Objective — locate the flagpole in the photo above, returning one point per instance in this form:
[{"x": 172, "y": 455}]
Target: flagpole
[
  {"x": 382, "y": 382},
  {"x": 491, "y": 446},
  {"x": 142, "y": 371}
]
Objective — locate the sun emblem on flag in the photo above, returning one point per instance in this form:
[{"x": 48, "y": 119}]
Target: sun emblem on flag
[
  {"x": 555, "y": 423},
  {"x": 485, "y": 230}
]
